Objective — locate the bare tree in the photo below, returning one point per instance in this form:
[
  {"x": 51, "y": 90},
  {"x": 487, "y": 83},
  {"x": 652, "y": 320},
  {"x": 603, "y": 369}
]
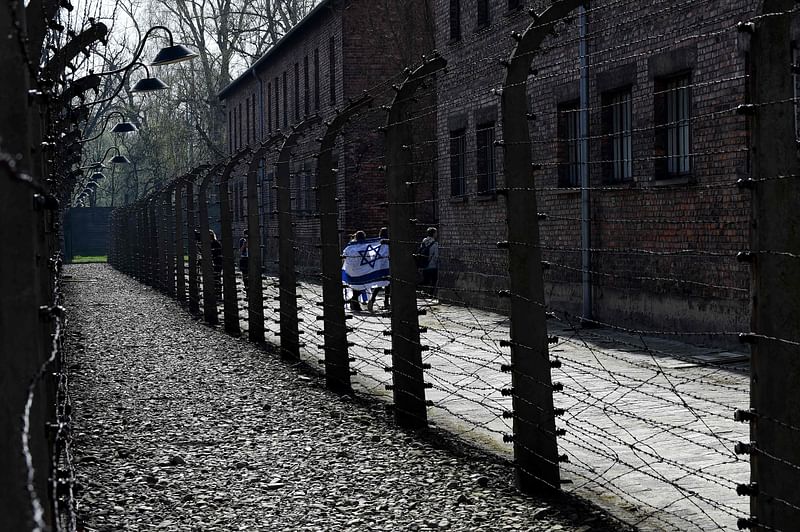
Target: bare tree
[{"x": 187, "y": 126}]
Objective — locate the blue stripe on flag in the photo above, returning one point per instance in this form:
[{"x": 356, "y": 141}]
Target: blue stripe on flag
[{"x": 366, "y": 264}]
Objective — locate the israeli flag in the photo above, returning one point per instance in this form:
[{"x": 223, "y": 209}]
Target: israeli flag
[{"x": 366, "y": 264}]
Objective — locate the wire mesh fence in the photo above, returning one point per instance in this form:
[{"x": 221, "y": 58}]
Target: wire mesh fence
[{"x": 574, "y": 216}]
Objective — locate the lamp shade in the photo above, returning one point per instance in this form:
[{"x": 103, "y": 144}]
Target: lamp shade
[
  {"x": 91, "y": 184},
  {"x": 173, "y": 54},
  {"x": 97, "y": 176},
  {"x": 125, "y": 127},
  {"x": 148, "y": 85},
  {"x": 120, "y": 159}
]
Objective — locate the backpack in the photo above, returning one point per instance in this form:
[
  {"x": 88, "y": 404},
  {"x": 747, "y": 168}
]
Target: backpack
[{"x": 423, "y": 254}]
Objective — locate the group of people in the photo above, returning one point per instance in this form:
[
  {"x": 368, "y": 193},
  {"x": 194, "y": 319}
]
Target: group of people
[
  {"x": 216, "y": 259},
  {"x": 365, "y": 266}
]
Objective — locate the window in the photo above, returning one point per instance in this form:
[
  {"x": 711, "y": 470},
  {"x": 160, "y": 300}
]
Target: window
[
  {"x": 458, "y": 151},
  {"x": 239, "y": 126},
  {"x": 616, "y": 141},
  {"x": 247, "y": 119},
  {"x": 305, "y": 193},
  {"x": 514, "y": 4},
  {"x": 332, "y": 69},
  {"x": 233, "y": 191},
  {"x": 569, "y": 153},
  {"x": 485, "y": 158},
  {"x": 242, "y": 200},
  {"x": 277, "y": 107},
  {"x": 306, "y": 92},
  {"x": 673, "y": 131},
  {"x": 483, "y": 13},
  {"x": 269, "y": 106},
  {"x": 455, "y": 20},
  {"x": 253, "y": 115},
  {"x": 316, "y": 79},
  {"x": 285, "y": 100},
  {"x": 272, "y": 196},
  {"x": 297, "y": 92},
  {"x": 230, "y": 130}
]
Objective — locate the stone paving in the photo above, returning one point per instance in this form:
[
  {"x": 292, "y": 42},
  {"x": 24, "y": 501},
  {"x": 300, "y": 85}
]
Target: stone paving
[
  {"x": 649, "y": 421},
  {"x": 179, "y": 427}
]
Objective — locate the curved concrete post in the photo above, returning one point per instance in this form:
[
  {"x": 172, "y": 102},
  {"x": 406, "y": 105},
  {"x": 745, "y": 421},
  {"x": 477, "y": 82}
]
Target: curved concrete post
[
  {"x": 289, "y": 330},
  {"x": 229, "y": 295},
  {"x": 210, "y": 313},
  {"x": 255, "y": 293},
  {"x": 410, "y": 407},
  {"x": 337, "y": 362},
  {"x": 180, "y": 267},
  {"x": 774, "y": 416},
  {"x": 191, "y": 245},
  {"x": 535, "y": 447}
]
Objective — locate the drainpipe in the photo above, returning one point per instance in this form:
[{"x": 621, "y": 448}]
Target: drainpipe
[{"x": 586, "y": 226}]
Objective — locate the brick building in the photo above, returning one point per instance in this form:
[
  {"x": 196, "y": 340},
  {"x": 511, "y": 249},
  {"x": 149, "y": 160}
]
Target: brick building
[
  {"x": 665, "y": 148},
  {"x": 339, "y": 50}
]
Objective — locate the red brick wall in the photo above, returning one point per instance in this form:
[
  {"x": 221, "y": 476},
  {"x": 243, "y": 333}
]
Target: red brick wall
[
  {"x": 665, "y": 251},
  {"x": 365, "y": 58}
]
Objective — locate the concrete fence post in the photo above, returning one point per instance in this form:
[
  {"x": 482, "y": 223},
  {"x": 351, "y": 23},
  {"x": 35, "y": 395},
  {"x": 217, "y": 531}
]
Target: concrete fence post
[
  {"x": 534, "y": 437},
  {"x": 410, "y": 406},
  {"x": 191, "y": 246},
  {"x": 774, "y": 416},
  {"x": 337, "y": 363},
  {"x": 169, "y": 241},
  {"x": 229, "y": 294},
  {"x": 210, "y": 281},
  {"x": 153, "y": 242},
  {"x": 255, "y": 292},
  {"x": 180, "y": 234},
  {"x": 289, "y": 330}
]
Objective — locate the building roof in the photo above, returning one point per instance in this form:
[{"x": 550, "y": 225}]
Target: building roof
[{"x": 302, "y": 25}]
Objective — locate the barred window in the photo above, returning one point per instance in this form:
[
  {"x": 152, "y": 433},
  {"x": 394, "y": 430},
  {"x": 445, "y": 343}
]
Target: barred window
[
  {"x": 247, "y": 120},
  {"x": 617, "y": 136},
  {"x": 569, "y": 153},
  {"x": 455, "y": 20},
  {"x": 332, "y": 69},
  {"x": 483, "y": 13},
  {"x": 269, "y": 106},
  {"x": 306, "y": 92},
  {"x": 230, "y": 130},
  {"x": 316, "y": 79},
  {"x": 285, "y": 100},
  {"x": 458, "y": 151},
  {"x": 672, "y": 108},
  {"x": 297, "y": 91},
  {"x": 485, "y": 158},
  {"x": 277, "y": 106}
]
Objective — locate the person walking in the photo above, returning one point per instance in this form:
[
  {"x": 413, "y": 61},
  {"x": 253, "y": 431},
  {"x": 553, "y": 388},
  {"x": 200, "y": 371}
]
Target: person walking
[
  {"x": 383, "y": 283},
  {"x": 244, "y": 259},
  {"x": 216, "y": 261},
  {"x": 428, "y": 262},
  {"x": 352, "y": 262}
]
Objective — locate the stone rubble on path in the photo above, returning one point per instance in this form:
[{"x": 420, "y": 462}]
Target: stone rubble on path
[{"x": 179, "y": 427}]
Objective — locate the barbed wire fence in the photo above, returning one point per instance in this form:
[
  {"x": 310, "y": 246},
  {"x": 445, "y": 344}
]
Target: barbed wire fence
[{"x": 638, "y": 419}]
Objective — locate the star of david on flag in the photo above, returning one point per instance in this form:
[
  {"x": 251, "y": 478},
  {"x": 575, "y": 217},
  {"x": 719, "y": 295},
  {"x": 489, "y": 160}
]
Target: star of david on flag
[{"x": 366, "y": 264}]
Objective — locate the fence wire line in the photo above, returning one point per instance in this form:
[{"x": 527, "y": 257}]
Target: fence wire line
[{"x": 605, "y": 374}]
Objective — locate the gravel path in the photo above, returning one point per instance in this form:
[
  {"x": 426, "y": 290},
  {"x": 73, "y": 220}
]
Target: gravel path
[{"x": 180, "y": 427}]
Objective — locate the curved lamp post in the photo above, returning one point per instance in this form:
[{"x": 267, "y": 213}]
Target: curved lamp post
[
  {"x": 117, "y": 159},
  {"x": 122, "y": 127}
]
